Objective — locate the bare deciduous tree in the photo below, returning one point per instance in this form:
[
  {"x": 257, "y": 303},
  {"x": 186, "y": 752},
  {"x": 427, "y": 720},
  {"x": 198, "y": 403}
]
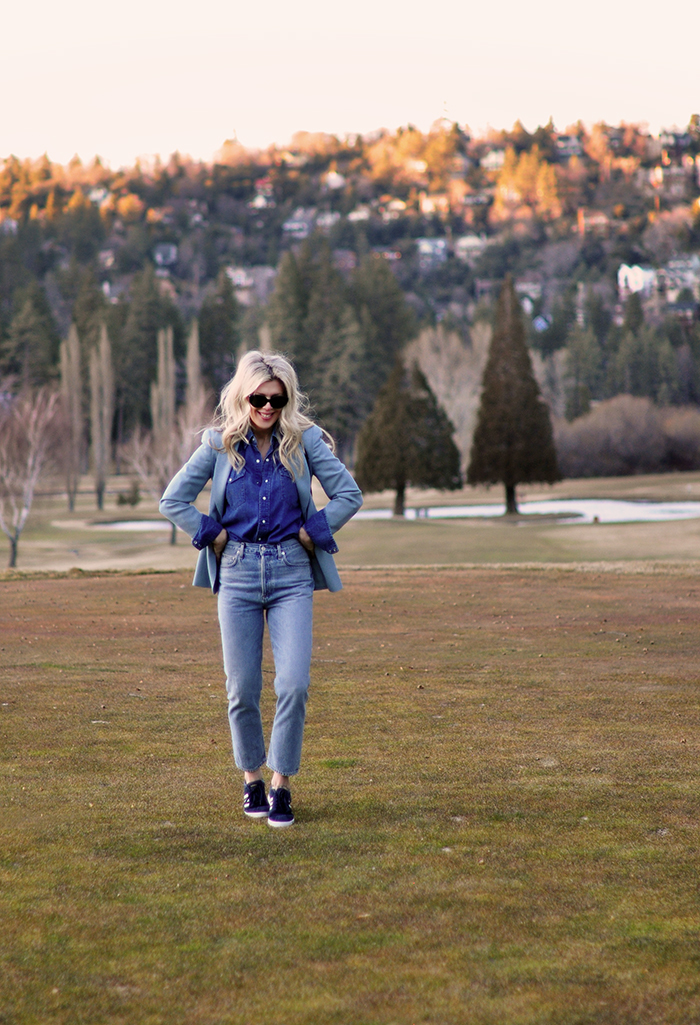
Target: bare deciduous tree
[
  {"x": 26, "y": 440},
  {"x": 101, "y": 411},
  {"x": 72, "y": 410},
  {"x": 454, "y": 371},
  {"x": 156, "y": 456}
]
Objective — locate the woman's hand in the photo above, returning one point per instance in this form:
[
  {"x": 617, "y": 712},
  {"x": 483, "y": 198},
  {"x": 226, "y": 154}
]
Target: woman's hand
[
  {"x": 220, "y": 542},
  {"x": 306, "y": 541}
]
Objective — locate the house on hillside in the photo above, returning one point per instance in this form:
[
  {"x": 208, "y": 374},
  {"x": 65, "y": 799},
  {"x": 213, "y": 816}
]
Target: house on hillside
[
  {"x": 435, "y": 203},
  {"x": 301, "y": 223},
  {"x": 468, "y": 248},
  {"x": 681, "y": 273},
  {"x": 592, "y": 222},
  {"x": 165, "y": 255},
  {"x": 568, "y": 146},
  {"x": 432, "y": 253},
  {"x": 253, "y": 285},
  {"x": 494, "y": 160},
  {"x": 635, "y": 279}
]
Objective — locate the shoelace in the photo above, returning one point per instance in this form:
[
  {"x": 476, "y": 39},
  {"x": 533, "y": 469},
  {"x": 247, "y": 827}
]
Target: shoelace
[
  {"x": 282, "y": 802},
  {"x": 254, "y": 794}
]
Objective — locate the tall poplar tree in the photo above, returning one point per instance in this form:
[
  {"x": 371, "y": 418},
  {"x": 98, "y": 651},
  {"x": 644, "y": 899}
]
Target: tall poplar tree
[
  {"x": 101, "y": 411},
  {"x": 72, "y": 403},
  {"x": 406, "y": 440},
  {"x": 513, "y": 441}
]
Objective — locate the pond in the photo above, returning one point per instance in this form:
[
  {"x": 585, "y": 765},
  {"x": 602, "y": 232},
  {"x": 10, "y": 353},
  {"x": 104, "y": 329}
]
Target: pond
[
  {"x": 566, "y": 510},
  {"x": 563, "y": 511}
]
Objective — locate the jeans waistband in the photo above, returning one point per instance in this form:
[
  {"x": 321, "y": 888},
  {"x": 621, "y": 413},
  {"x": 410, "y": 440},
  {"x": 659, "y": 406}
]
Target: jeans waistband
[{"x": 264, "y": 546}]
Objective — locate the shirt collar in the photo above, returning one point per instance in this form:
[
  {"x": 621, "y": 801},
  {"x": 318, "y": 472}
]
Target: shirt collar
[{"x": 274, "y": 440}]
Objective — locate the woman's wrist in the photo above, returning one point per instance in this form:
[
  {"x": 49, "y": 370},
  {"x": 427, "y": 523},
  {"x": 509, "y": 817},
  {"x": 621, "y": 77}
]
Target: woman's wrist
[{"x": 220, "y": 541}]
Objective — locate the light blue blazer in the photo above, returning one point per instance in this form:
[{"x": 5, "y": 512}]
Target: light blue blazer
[{"x": 210, "y": 462}]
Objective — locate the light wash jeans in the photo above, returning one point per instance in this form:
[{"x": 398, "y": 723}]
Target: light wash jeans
[{"x": 273, "y": 581}]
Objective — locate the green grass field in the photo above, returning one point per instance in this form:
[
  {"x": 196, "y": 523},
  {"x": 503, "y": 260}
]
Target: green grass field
[{"x": 497, "y": 812}]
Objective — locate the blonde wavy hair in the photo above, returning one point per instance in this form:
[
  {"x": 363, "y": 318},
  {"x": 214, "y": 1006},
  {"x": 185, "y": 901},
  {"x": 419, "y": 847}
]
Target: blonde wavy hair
[{"x": 233, "y": 412}]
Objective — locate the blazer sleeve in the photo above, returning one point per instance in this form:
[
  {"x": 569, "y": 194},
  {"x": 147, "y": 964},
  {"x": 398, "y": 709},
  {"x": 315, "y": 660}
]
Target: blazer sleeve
[
  {"x": 183, "y": 490},
  {"x": 345, "y": 498}
]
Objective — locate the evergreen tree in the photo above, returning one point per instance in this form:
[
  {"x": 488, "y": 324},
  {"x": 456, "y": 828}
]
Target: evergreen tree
[
  {"x": 634, "y": 313},
  {"x": 340, "y": 397},
  {"x": 407, "y": 440},
  {"x": 136, "y": 355},
  {"x": 512, "y": 441},
  {"x": 387, "y": 320},
  {"x": 30, "y": 352},
  {"x": 219, "y": 333},
  {"x": 288, "y": 310},
  {"x": 584, "y": 359}
]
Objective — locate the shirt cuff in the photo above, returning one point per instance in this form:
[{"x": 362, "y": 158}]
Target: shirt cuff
[
  {"x": 209, "y": 530},
  {"x": 320, "y": 533}
]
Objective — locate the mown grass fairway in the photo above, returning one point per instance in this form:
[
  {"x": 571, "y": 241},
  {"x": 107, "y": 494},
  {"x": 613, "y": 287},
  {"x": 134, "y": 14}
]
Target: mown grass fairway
[{"x": 497, "y": 813}]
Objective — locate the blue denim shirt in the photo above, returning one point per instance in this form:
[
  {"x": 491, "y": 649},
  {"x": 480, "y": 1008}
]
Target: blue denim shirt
[{"x": 262, "y": 505}]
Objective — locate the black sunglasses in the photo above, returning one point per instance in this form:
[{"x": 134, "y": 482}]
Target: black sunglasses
[{"x": 259, "y": 401}]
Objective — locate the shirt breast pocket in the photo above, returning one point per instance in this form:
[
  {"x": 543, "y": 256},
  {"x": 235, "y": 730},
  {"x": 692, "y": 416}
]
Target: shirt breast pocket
[{"x": 237, "y": 486}]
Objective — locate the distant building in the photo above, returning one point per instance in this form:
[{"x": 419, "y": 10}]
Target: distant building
[
  {"x": 468, "y": 248},
  {"x": 683, "y": 272},
  {"x": 635, "y": 279},
  {"x": 432, "y": 253},
  {"x": 333, "y": 180},
  {"x": 494, "y": 160},
  {"x": 261, "y": 202},
  {"x": 253, "y": 285},
  {"x": 165, "y": 254},
  {"x": 301, "y": 223},
  {"x": 569, "y": 146},
  {"x": 392, "y": 210},
  {"x": 360, "y": 213},
  {"x": 592, "y": 222},
  {"x": 106, "y": 258},
  {"x": 326, "y": 220},
  {"x": 437, "y": 203}
]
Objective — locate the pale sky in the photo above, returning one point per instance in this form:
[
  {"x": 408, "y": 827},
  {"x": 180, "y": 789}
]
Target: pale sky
[{"x": 148, "y": 76}]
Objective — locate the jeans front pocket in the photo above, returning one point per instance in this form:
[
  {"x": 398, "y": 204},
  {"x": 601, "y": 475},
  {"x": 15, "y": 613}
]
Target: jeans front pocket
[
  {"x": 296, "y": 556},
  {"x": 232, "y": 555}
]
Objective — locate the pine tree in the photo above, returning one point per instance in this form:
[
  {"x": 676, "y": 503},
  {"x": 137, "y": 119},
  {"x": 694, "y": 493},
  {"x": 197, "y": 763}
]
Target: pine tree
[
  {"x": 30, "y": 352},
  {"x": 340, "y": 395},
  {"x": 407, "y": 440},
  {"x": 101, "y": 411},
  {"x": 219, "y": 333},
  {"x": 512, "y": 441},
  {"x": 136, "y": 355},
  {"x": 288, "y": 309},
  {"x": 157, "y": 455},
  {"x": 387, "y": 320}
]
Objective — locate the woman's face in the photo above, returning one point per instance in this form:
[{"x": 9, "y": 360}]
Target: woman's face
[{"x": 265, "y": 419}]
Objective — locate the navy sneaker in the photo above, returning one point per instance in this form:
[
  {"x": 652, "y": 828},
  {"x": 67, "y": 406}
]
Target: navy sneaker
[
  {"x": 280, "y": 808},
  {"x": 255, "y": 804}
]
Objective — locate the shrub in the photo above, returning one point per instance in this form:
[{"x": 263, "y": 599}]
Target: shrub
[{"x": 621, "y": 436}]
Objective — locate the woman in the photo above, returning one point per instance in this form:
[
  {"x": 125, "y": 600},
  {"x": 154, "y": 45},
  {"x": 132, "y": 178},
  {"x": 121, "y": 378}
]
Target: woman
[{"x": 264, "y": 548}]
